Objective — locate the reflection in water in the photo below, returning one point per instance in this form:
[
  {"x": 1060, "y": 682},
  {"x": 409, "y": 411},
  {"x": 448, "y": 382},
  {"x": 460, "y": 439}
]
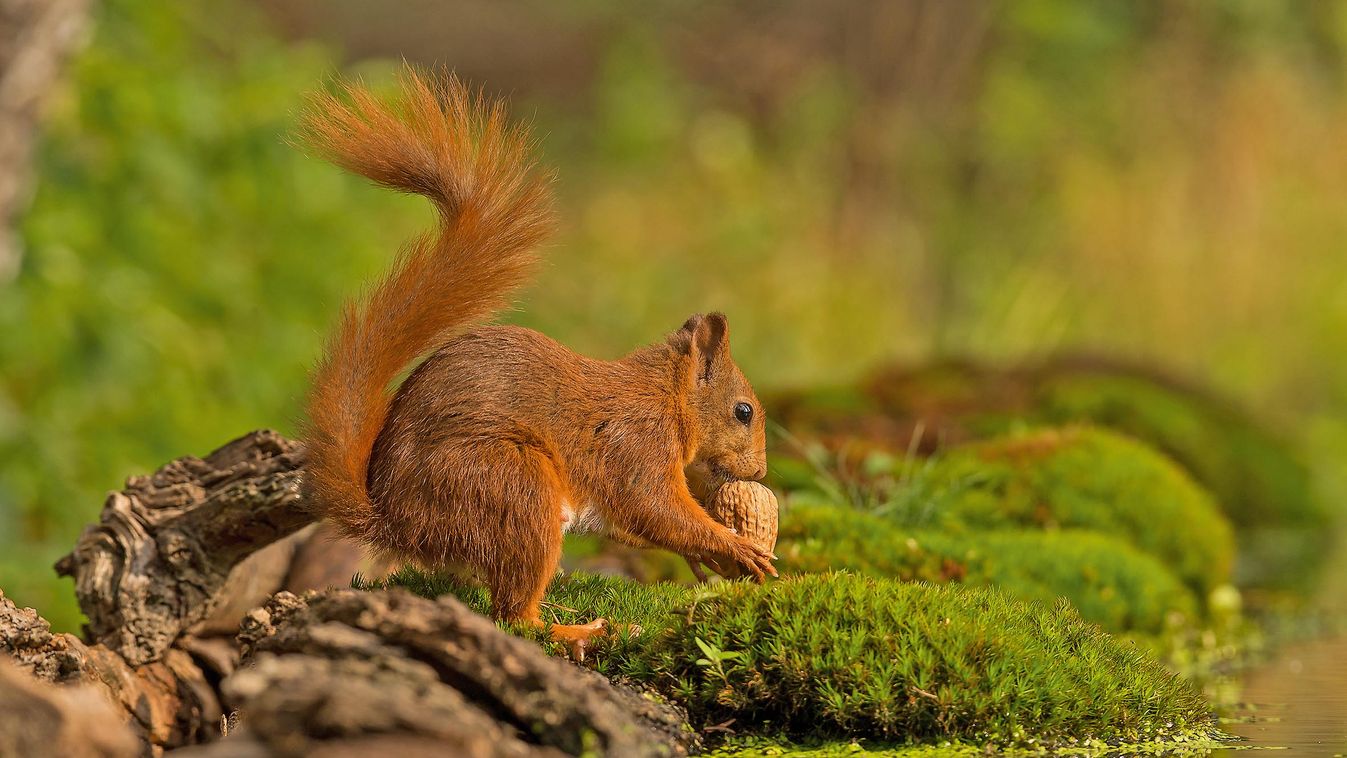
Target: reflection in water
[{"x": 1300, "y": 701}]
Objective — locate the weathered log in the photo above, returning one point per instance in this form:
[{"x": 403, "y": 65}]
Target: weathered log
[
  {"x": 156, "y": 563},
  {"x": 349, "y": 670},
  {"x": 39, "y": 720},
  {"x": 250, "y": 583},
  {"x": 26, "y": 638},
  {"x": 167, "y": 703},
  {"x": 314, "y": 558},
  {"x": 165, "y": 577}
]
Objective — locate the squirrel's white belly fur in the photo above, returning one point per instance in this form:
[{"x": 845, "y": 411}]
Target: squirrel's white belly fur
[{"x": 585, "y": 519}]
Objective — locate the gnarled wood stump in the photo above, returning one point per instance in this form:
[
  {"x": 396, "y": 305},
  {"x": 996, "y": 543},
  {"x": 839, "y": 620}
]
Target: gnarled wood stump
[
  {"x": 166, "y": 703},
  {"x": 346, "y": 669},
  {"x": 74, "y": 721},
  {"x": 163, "y": 549}
]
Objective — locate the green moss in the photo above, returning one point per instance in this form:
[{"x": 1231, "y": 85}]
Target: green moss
[
  {"x": 862, "y": 656},
  {"x": 575, "y": 598},
  {"x": 853, "y": 656},
  {"x": 1085, "y": 478},
  {"x": 753, "y": 747},
  {"x": 762, "y": 747},
  {"x": 1110, "y": 582},
  {"x": 1256, "y": 477}
]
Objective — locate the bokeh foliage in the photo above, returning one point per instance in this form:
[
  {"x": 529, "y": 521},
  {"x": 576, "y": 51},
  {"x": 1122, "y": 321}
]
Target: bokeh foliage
[
  {"x": 182, "y": 264},
  {"x": 1157, "y": 179}
]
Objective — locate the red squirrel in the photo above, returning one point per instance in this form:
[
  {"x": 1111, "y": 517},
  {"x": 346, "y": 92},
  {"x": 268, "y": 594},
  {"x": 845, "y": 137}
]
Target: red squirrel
[{"x": 501, "y": 440}]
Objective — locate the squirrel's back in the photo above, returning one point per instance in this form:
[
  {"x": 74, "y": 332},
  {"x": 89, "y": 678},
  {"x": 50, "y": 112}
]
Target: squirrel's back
[{"x": 494, "y": 209}]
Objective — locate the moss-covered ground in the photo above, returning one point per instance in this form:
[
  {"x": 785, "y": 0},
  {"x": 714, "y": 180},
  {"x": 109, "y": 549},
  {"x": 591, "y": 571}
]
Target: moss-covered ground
[
  {"x": 1158, "y": 511},
  {"x": 1109, "y": 581},
  {"x": 1077, "y": 512},
  {"x": 1047, "y": 479},
  {"x": 1086, "y": 478},
  {"x": 846, "y": 656},
  {"x": 1258, "y": 477}
]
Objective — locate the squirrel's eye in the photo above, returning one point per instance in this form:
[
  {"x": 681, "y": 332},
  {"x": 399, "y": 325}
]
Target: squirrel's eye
[{"x": 743, "y": 412}]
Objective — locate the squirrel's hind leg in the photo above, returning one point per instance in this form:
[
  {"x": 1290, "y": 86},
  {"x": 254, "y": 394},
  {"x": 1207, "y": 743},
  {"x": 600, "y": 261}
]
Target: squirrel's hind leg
[
  {"x": 517, "y": 595},
  {"x": 528, "y": 497},
  {"x": 517, "y": 591}
]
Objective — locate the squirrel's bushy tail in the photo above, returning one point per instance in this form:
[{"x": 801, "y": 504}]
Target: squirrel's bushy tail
[{"x": 440, "y": 141}]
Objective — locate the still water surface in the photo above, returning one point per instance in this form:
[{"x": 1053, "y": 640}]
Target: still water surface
[{"x": 1300, "y": 702}]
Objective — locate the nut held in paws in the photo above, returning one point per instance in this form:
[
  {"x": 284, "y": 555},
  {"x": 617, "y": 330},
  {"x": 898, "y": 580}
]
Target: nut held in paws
[{"x": 750, "y": 509}]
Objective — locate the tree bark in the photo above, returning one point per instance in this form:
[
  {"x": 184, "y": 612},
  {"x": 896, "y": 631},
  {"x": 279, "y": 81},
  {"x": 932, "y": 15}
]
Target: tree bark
[
  {"x": 42, "y": 719},
  {"x": 344, "y": 670},
  {"x": 157, "y": 561},
  {"x": 167, "y": 703}
]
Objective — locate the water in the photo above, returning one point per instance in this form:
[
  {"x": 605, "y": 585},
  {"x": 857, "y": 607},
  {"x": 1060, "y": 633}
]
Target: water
[{"x": 1300, "y": 702}]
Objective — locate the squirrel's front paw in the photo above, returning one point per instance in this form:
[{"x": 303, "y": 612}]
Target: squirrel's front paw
[
  {"x": 750, "y": 558},
  {"x": 696, "y": 563}
]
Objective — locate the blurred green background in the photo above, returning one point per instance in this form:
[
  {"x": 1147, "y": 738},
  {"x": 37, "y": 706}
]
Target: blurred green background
[{"x": 1160, "y": 181}]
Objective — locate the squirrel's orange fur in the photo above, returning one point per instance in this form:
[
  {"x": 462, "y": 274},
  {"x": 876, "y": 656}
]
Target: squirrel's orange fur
[{"x": 501, "y": 439}]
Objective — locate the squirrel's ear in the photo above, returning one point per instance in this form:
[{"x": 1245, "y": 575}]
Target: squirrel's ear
[{"x": 706, "y": 339}]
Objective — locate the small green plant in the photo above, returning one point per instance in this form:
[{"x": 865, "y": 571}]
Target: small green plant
[
  {"x": 872, "y": 479},
  {"x": 714, "y": 659}
]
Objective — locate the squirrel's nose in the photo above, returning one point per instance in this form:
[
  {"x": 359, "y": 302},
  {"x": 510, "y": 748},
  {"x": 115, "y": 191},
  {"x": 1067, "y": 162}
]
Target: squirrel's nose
[{"x": 760, "y": 473}]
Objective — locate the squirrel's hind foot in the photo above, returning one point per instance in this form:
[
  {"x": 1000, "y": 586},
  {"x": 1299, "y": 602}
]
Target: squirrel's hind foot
[{"x": 579, "y": 637}]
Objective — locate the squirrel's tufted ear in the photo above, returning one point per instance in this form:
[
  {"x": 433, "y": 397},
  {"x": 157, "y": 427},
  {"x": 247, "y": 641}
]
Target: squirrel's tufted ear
[{"x": 706, "y": 339}]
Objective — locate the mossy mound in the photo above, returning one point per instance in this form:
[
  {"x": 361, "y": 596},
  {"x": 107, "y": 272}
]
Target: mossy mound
[
  {"x": 1084, "y": 478},
  {"x": 1109, "y": 581},
  {"x": 851, "y": 656},
  {"x": 1257, "y": 477}
]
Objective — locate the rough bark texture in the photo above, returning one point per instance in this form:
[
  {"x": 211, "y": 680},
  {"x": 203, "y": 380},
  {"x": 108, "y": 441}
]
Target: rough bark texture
[
  {"x": 348, "y": 670},
  {"x": 158, "y": 560},
  {"x": 166, "y": 703},
  {"x": 38, "y": 719},
  {"x": 27, "y": 639},
  {"x": 35, "y": 38}
]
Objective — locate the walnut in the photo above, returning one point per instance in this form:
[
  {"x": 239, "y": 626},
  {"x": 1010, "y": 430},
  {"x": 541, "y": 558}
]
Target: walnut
[{"x": 750, "y": 509}]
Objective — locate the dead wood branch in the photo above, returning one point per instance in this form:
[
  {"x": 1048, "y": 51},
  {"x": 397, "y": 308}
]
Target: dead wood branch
[
  {"x": 166, "y": 703},
  {"x": 348, "y": 668},
  {"x": 158, "y": 559}
]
